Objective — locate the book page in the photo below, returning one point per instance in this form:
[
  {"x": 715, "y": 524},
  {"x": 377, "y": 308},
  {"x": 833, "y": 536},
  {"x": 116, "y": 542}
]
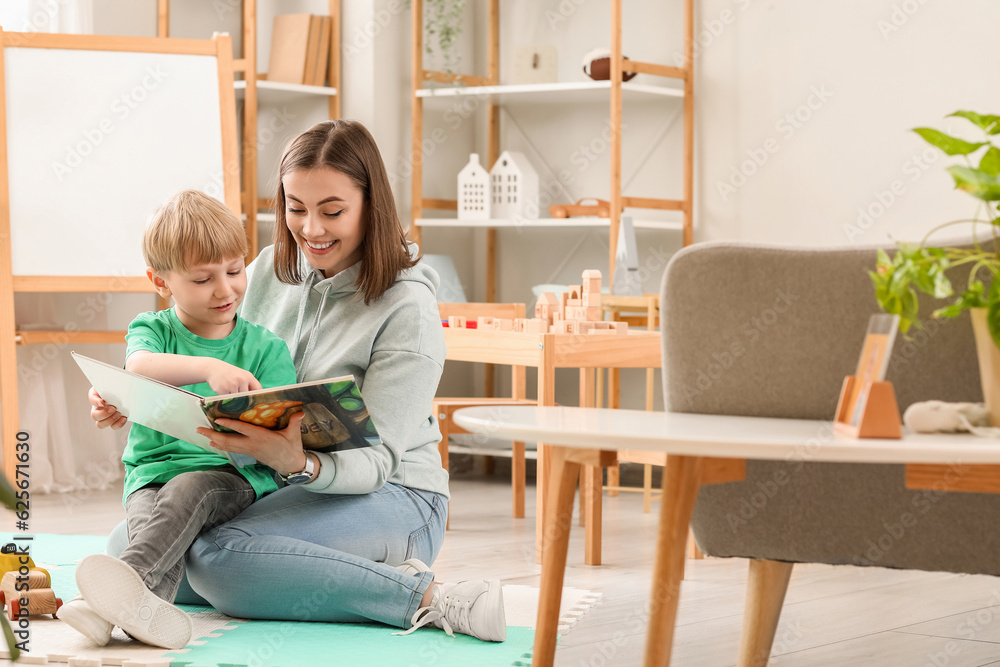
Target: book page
[{"x": 145, "y": 401}]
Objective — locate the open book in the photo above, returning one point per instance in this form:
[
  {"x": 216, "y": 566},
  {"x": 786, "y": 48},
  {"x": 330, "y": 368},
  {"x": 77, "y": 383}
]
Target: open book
[{"x": 335, "y": 415}]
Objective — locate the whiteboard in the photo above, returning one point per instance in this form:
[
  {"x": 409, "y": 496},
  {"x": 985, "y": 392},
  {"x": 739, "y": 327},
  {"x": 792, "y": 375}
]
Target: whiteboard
[{"x": 96, "y": 140}]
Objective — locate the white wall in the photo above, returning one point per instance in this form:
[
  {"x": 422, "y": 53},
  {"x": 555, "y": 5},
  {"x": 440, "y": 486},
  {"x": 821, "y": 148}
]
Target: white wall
[{"x": 871, "y": 70}]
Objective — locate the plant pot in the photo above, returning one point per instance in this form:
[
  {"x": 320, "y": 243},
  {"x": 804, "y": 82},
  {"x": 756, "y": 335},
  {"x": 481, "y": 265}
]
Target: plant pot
[{"x": 989, "y": 364}]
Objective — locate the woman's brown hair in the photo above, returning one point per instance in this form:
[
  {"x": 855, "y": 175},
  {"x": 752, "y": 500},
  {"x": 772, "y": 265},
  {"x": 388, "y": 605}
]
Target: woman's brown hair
[{"x": 346, "y": 146}]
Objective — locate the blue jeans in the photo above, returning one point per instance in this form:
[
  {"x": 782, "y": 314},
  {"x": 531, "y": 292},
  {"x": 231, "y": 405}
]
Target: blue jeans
[{"x": 304, "y": 556}]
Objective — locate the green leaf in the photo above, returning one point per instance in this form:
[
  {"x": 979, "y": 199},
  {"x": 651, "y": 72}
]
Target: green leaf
[
  {"x": 950, "y": 145},
  {"x": 7, "y": 494},
  {"x": 8, "y": 634},
  {"x": 993, "y": 311},
  {"x": 976, "y": 182},
  {"x": 991, "y": 161},
  {"x": 989, "y": 123}
]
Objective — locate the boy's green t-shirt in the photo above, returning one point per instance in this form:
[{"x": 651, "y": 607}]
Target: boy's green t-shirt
[{"x": 151, "y": 456}]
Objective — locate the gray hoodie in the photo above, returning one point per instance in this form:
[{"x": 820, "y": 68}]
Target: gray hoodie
[{"x": 395, "y": 350}]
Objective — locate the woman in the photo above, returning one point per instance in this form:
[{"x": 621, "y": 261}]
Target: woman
[{"x": 344, "y": 289}]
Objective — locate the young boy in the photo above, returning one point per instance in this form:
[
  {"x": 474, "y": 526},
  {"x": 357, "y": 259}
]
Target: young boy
[{"x": 174, "y": 490}]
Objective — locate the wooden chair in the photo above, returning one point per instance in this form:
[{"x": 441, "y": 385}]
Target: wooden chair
[{"x": 444, "y": 406}]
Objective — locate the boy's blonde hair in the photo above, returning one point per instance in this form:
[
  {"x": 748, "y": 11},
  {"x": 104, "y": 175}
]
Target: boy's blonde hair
[{"x": 192, "y": 228}]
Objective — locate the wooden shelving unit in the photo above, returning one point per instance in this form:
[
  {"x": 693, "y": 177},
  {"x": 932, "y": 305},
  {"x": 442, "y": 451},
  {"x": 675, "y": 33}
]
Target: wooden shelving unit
[
  {"x": 680, "y": 85},
  {"x": 248, "y": 90}
]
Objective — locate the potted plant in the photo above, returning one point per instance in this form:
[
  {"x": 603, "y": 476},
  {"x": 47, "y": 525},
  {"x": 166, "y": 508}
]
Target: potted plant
[
  {"x": 443, "y": 25},
  {"x": 923, "y": 267}
]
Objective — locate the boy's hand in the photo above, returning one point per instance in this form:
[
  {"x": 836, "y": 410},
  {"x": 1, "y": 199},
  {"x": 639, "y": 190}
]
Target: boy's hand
[
  {"x": 105, "y": 415},
  {"x": 225, "y": 378}
]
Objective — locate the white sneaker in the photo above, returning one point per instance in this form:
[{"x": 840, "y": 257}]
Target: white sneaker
[
  {"x": 116, "y": 593},
  {"x": 78, "y": 615},
  {"x": 413, "y": 566},
  {"x": 474, "y": 608}
]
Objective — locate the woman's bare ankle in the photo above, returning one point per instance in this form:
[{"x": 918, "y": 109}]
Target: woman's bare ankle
[{"x": 425, "y": 601}]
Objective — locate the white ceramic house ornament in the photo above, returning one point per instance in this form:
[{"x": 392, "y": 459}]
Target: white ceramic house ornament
[
  {"x": 514, "y": 187},
  {"x": 474, "y": 191}
]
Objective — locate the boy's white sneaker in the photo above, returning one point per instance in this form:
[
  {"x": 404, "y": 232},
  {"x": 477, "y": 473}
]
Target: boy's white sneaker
[
  {"x": 78, "y": 615},
  {"x": 116, "y": 593},
  {"x": 473, "y": 608}
]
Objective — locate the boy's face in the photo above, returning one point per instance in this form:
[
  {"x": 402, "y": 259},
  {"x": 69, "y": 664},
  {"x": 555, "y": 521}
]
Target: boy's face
[{"x": 205, "y": 295}]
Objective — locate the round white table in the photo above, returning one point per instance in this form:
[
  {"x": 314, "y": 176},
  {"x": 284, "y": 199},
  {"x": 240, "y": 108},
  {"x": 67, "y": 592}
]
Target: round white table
[{"x": 703, "y": 449}]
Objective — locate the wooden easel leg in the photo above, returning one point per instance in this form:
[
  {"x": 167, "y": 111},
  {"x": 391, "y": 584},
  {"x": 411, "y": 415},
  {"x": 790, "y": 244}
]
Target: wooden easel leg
[
  {"x": 766, "y": 588},
  {"x": 558, "y": 520},
  {"x": 681, "y": 478}
]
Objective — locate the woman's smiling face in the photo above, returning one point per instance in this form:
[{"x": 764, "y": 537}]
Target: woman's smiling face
[{"x": 325, "y": 212}]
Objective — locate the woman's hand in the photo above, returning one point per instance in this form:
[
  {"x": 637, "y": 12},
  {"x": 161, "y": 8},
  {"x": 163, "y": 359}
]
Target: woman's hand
[
  {"x": 105, "y": 415},
  {"x": 280, "y": 450}
]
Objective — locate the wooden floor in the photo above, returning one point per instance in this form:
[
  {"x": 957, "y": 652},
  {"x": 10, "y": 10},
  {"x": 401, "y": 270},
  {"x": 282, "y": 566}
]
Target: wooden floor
[{"x": 832, "y": 615}]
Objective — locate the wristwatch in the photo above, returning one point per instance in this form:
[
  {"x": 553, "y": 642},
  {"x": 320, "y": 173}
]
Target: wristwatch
[{"x": 305, "y": 475}]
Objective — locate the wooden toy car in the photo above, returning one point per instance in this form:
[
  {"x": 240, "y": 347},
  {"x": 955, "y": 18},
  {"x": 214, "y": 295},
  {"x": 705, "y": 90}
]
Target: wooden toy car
[
  {"x": 41, "y": 599},
  {"x": 600, "y": 208}
]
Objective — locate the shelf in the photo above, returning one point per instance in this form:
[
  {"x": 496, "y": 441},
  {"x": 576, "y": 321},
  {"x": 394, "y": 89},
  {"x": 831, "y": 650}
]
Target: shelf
[
  {"x": 278, "y": 89},
  {"x": 583, "y": 221},
  {"x": 574, "y": 92}
]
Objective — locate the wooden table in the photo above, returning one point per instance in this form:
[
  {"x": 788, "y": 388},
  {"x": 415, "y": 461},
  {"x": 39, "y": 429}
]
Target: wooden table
[
  {"x": 547, "y": 352},
  {"x": 701, "y": 449}
]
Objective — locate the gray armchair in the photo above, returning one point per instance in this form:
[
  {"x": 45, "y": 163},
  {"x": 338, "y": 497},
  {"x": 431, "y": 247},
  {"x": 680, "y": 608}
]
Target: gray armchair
[{"x": 770, "y": 331}]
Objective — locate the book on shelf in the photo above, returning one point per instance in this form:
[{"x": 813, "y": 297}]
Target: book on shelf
[
  {"x": 298, "y": 54},
  {"x": 323, "y": 54},
  {"x": 336, "y": 417}
]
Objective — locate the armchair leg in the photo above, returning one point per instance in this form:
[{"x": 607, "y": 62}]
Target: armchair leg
[{"x": 766, "y": 588}]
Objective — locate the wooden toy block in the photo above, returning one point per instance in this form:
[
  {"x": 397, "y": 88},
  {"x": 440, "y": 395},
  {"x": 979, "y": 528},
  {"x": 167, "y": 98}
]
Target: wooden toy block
[
  {"x": 503, "y": 324},
  {"x": 574, "y": 303},
  {"x": 563, "y": 298},
  {"x": 585, "y": 327},
  {"x": 484, "y": 322},
  {"x": 456, "y": 322},
  {"x": 592, "y": 281},
  {"x": 519, "y": 324},
  {"x": 593, "y": 313},
  {"x": 575, "y": 292},
  {"x": 619, "y": 327},
  {"x": 547, "y": 306},
  {"x": 566, "y": 327},
  {"x": 577, "y": 313},
  {"x": 536, "y": 325},
  {"x": 591, "y": 299}
]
